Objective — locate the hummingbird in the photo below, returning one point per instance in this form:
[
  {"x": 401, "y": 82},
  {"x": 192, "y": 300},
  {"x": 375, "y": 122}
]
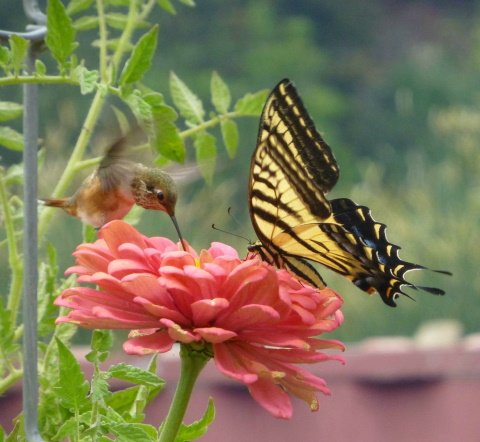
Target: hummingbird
[{"x": 115, "y": 186}]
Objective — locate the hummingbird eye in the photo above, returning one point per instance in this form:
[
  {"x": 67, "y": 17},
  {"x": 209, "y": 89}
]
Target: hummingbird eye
[{"x": 160, "y": 195}]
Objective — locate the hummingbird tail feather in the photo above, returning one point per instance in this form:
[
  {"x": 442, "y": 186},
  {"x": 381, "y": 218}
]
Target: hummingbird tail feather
[{"x": 53, "y": 202}]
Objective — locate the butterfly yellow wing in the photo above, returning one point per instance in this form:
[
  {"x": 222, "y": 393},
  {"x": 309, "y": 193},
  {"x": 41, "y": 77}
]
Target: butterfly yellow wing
[{"x": 292, "y": 169}]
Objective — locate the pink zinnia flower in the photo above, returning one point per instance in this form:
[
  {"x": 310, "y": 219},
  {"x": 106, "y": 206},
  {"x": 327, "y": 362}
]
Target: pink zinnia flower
[{"x": 258, "y": 322}]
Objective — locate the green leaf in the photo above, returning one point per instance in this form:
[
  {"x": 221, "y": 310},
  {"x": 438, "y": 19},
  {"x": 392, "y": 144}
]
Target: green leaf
[
  {"x": 135, "y": 375},
  {"x": 166, "y": 5},
  {"x": 102, "y": 340},
  {"x": 18, "y": 47},
  {"x": 5, "y": 57},
  {"x": 168, "y": 141},
  {"x": 122, "y": 400},
  {"x": 7, "y": 336},
  {"x": 10, "y": 110},
  {"x": 134, "y": 432},
  {"x": 40, "y": 68},
  {"x": 189, "y": 105},
  {"x": 72, "y": 386},
  {"x": 140, "y": 107},
  {"x": 116, "y": 20},
  {"x": 75, "y": 6},
  {"x": 230, "y": 136},
  {"x": 206, "y": 154},
  {"x": 141, "y": 58},
  {"x": 61, "y": 33},
  {"x": 86, "y": 78},
  {"x": 221, "y": 97},
  {"x": 11, "y": 139},
  {"x": 66, "y": 430},
  {"x": 188, "y": 2},
  {"x": 251, "y": 104},
  {"x": 198, "y": 428},
  {"x": 86, "y": 23}
]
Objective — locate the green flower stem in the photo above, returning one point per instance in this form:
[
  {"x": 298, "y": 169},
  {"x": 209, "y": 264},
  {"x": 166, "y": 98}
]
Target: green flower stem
[
  {"x": 77, "y": 154},
  {"x": 192, "y": 363},
  {"x": 14, "y": 258}
]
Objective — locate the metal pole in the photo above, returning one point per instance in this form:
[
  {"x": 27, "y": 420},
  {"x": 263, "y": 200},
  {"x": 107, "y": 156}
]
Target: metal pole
[
  {"x": 36, "y": 33},
  {"x": 30, "y": 256}
]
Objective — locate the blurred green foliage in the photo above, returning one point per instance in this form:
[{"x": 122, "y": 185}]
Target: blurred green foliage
[{"x": 394, "y": 88}]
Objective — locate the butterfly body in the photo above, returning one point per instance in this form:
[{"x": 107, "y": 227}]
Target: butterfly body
[{"x": 292, "y": 170}]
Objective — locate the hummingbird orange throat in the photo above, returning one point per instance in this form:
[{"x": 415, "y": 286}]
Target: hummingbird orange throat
[{"x": 111, "y": 191}]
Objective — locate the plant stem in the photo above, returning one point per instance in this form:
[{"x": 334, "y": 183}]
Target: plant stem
[
  {"x": 9, "y": 380},
  {"x": 103, "y": 34},
  {"x": 192, "y": 363},
  {"x": 209, "y": 123},
  {"x": 14, "y": 259},
  {"x": 45, "y": 79}
]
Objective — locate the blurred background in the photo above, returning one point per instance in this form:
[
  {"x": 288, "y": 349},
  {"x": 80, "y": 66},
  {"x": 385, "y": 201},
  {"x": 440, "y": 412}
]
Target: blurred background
[{"x": 394, "y": 87}]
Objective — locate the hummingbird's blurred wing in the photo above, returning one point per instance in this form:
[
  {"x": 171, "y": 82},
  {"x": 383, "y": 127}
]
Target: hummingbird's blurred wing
[{"x": 116, "y": 169}]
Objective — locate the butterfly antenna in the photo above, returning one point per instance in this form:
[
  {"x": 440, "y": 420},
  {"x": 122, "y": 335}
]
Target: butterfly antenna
[
  {"x": 214, "y": 227},
  {"x": 229, "y": 211}
]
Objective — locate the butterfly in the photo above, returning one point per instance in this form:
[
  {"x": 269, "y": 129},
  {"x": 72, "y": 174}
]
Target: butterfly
[{"x": 292, "y": 169}]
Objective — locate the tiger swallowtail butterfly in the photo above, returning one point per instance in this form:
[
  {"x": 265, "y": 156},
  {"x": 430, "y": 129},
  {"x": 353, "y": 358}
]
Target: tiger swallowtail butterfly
[{"x": 292, "y": 170}]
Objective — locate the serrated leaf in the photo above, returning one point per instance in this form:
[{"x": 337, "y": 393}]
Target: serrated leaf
[
  {"x": 75, "y": 6},
  {"x": 72, "y": 386},
  {"x": 135, "y": 375},
  {"x": 198, "y": 428},
  {"x": 86, "y": 78},
  {"x": 10, "y": 110},
  {"x": 11, "y": 139},
  {"x": 141, "y": 58},
  {"x": 102, "y": 340},
  {"x": 134, "y": 432},
  {"x": 166, "y": 5},
  {"x": 168, "y": 141},
  {"x": 68, "y": 428},
  {"x": 40, "y": 68},
  {"x": 230, "y": 136},
  {"x": 86, "y": 23},
  {"x": 189, "y": 105},
  {"x": 19, "y": 48},
  {"x": 60, "y": 37},
  {"x": 221, "y": 97},
  {"x": 206, "y": 154},
  {"x": 251, "y": 104},
  {"x": 141, "y": 109},
  {"x": 122, "y": 400}
]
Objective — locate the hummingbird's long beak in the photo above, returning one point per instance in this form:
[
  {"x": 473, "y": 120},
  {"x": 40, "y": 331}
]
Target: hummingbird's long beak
[{"x": 174, "y": 220}]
